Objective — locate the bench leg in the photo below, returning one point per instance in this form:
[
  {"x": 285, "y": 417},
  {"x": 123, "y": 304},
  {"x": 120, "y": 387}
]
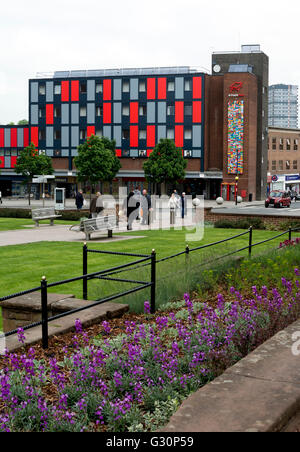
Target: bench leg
[
  {"x": 87, "y": 237},
  {"x": 110, "y": 234},
  {"x": 51, "y": 222},
  {"x": 36, "y": 224}
]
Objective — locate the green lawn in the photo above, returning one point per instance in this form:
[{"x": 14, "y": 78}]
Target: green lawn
[
  {"x": 10, "y": 224},
  {"x": 24, "y": 265}
]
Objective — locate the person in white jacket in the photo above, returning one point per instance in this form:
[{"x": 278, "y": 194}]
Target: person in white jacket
[{"x": 173, "y": 205}]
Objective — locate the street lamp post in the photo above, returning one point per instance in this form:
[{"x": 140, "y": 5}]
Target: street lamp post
[{"x": 236, "y": 190}]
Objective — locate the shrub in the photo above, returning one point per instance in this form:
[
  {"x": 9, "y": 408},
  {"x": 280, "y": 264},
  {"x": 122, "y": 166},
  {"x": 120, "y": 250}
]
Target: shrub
[{"x": 256, "y": 223}]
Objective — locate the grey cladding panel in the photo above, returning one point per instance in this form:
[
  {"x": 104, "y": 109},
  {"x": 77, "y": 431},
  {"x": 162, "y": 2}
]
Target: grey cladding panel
[
  {"x": 161, "y": 133},
  {"x": 91, "y": 113},
  {"x": 65, "y": 136},
  {"x": 7, "y": 138},
  {"x": 161, "y": 112},
  {"x": 75, "y": 113},
  {"x": 179, "y": 88},
  {"x": 117, "y": 112},
  {"x": 49, "y": 137},
  {"x": 107, "y": 132},
  {"x": 34, "y": 89},
  {"x": 117, "y": 135},
  {"x": 65, "y": 113},
  {"x": 91, "y": 90},
  {"x": 151, "y": 112},
  {"x": 49, "y": 91},
  {"x": 20, "y": 138},
  {"x": 117, "y": 91},
  {"x": 197, "y": 136},
  {"x": 34, "y": 114},
  {"x": 134, "y": 89},
  {"x": 75, "y": 136}
]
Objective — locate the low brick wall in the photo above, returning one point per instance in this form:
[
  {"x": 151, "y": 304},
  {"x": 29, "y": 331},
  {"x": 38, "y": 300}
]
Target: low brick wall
[{"x": 269, "y": 220}]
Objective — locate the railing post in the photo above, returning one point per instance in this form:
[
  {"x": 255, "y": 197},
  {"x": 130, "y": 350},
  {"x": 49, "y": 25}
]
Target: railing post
[
  {"x": 44, "y": 300},
  {"x": 84, "y": 271},
  {"x": 153, "y": 281},
  {"x": 250, "y": 240},
  {"x": 290, "y": 233},
  {"x": 187, "y": 253}
]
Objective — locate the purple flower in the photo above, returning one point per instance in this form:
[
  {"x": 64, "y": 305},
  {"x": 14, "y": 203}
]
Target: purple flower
[
  {"x": 147, "y": 308},
  {"x": 21, "y": 336},
  {"x": 106, "y": 327}
]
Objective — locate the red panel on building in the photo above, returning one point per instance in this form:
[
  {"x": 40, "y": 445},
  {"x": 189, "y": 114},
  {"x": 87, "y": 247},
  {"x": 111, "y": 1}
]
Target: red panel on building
[
  {"x": 149, "y": 151},
  {"x": 134, "y": 112},
  {"x": 107, "y": 113},
  {"x": 179, "y": 111},
  {"x": 65, "y": 91},
  {"x": 134, "y": 136},
  {"x": 75, "y": 90},
  {"x": 150, "y": 136},
  {"x": 179, "y": 136},
  {"x": 49, "y": 113},
  {"x": 13, "y": 161},
  {"x": 1, "y": 138},
  {"x": 26, "y": 137},
  {"x": 162, "y": 88},
  {"x": 35, "y": 136},
  {"x": 13, "y": 138},
  {"x": 119, "y": 152},
  {"x": 90, "y": 131},
  {"x": 197, "y": 111},
  {"x": 1, "y": 162},
  {"x": 197, "y": 88},
  {"x": 107, "y": 89},
  {"x": 151, "y": 90}
]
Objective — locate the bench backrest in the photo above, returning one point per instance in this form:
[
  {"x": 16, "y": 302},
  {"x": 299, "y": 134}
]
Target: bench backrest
[
  {"x": 99, "y": 223},
  {"x": 40, "y": 213}
]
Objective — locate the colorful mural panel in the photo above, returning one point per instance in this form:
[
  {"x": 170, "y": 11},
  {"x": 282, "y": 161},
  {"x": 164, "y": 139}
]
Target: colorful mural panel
[{"x": 235, "y": 136}]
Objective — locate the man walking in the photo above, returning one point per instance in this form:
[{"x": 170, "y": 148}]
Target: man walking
[{"x": 146, "y": 207}]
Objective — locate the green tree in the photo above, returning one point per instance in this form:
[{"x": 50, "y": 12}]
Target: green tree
[
  {"x": 96, "y": 161},
  {"x": 23, "y": 122},
  {"x": 30, "y": 163},
  {"x": 165, "y": 163}
]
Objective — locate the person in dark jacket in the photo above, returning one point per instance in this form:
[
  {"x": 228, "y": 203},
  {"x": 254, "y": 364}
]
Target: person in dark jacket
[
  {"x": 133, "y": 206},
  {"x": 146, "y": 207},
  {"x": 96, "y": 206},
  {"x": 79, "y": 200}
]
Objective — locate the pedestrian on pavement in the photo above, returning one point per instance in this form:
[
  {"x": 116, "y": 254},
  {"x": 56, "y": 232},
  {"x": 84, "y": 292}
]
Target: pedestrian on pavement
[
  {"x": 146, "y": 207},
  {"x": 79, "y": 200},
  {"x": 133, "y": 205},
  {"x": 0, "y": 197},
  {"x": 96, "y": 206},
  {"x": 178, "y": 202},
  {"x": 173, "y": 205}
]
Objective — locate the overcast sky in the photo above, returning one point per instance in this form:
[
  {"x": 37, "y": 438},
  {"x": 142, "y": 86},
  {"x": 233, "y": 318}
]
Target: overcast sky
[{"x": 40, "y": 36}]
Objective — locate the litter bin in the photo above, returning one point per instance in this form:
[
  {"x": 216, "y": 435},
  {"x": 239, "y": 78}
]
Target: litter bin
[{"x": 250, "y": 197}]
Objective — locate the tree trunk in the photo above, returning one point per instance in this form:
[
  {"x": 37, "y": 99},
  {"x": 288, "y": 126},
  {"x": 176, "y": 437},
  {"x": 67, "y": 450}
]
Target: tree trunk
[{"x": 29, "y": 191}]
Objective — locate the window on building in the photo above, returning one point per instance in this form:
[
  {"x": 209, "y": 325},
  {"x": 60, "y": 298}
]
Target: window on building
[
  {"x": 99, "y": 111},
  {"x": 42, "y": 89},
  {"x": 288, "y": 144},
  {"x": 7, "y": 152},
  {"x": 82, "y": 87},
  {"x": 57, "y": 112},
  {"x": 57, "y": 153},
  {"x": 143, "y": 110},
  {"x": 14, "y": 152},
  {"x": 99, "y": 87},
  {"x": 188, "y": 85},
  {"x": 170, "y": 134},
  {"x": 296, "y": 144},
  {"x": 125, "y": 134},
  {"x": 42, "y": 112},
  {"x": 125, "y": 86},
  {"x": 57, "y": 135},
  {"x": 274, "y": 144},
  {"x": 187, "y": 134},
  {"x": 280, "y": 165},
  {"x": 125, "y": 110},
  {"x": 287, "y": 165},
  {"x": 142, "y": 153},
  {"x": 42, "y": 134},
  {"x": 171, "y": 86},
  {"x": 188, "y": 110},
  {"x": 171, "y": 110},
  {"x": 268, "y": 166},
  {"x": 82, "y": 134},
  {"x": 142, "y": 134},
  {"x": 125, "y": 153},
  {"x": 281, "y": 144},
  {"x": 295, "y": 164},
  {"x": 82, "y": 111},
  {"x": 57, "y": 88},
  {"x": 99, "y": 132},
  {"x": 187, "y": 154},
  {"x": 274, "y": 165},
  {"x": 142, "y": 86}
]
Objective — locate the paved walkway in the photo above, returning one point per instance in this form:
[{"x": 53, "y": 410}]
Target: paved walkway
[{"x": 261, "y": 393}]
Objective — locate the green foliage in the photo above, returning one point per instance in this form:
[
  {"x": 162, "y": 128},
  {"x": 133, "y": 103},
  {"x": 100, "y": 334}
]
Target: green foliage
[
  {"x": 96, "y": 160},
  {"x": 256, "y": 223},
  {"x": 23, "y": 122},
  {"x": 165, "y": 163},
  {"x": 30, "y": 163}
]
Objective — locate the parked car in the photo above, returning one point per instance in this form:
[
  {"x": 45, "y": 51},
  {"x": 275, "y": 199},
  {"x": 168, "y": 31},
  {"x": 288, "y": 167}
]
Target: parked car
[{"x": 278, "y": 199}]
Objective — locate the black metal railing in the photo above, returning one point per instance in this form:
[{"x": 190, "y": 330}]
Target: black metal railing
[{"x": 143, "y": 260}]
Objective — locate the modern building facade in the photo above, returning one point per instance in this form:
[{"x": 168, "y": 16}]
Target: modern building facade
[
  {"x": 217, "y": 121},
  {"x": 283, "y": 106},
  {"x": 284, "y": 159}
]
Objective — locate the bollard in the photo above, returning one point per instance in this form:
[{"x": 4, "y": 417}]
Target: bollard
[
  {"x": 44, "y": 300},
  {"x": 153, "y": 281}
]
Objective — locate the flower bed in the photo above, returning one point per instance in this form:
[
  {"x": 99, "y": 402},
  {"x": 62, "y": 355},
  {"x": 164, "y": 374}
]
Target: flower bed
[
  {"x": 292, "y": 242},
  {"x": 134, "y": 381}
]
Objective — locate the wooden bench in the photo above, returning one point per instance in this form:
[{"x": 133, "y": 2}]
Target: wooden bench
[
  {"x": 98, "y": 224},
  {"x": 44, "y": 214}
]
